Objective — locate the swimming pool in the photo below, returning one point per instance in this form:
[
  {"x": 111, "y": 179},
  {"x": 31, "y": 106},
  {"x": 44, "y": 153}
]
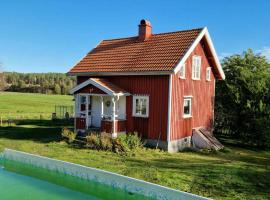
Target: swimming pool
[{"x": 26, "y": 176}]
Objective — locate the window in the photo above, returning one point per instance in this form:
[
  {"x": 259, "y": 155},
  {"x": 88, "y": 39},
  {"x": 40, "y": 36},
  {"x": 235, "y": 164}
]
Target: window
[
  {"x": 82, "y": 99},
  {"x": 196, "y": 67},
  {"x": 208, "y": 74},
  {"x": 140, "y": 106},
  {"x": 182, "y": 72},
  {"x": 187, "y": 107}
]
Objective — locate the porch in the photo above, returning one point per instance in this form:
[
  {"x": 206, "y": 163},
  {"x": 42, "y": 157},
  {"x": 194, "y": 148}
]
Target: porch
[{"x": 100, "y": 106}]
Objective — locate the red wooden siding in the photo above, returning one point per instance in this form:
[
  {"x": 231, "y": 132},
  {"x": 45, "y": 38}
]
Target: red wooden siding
[
  {"x": 202, "y": 101},
  {"x": 107, "y": 126},
  {"x": 157, "y": 89},
  {"x": 80, "y": 123}
]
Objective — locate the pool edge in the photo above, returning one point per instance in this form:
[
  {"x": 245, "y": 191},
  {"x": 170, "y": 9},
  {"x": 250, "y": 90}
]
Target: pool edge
[{"x": 105, "y": 177}]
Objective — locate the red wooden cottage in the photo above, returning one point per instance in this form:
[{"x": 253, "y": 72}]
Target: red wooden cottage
[{"x": 159, "y": 85}]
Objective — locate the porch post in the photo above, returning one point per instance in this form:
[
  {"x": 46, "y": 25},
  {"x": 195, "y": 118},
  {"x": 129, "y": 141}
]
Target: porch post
[
  {"x": 87, "y": 111},
  {"x": 77, "y": 105},
  {"x": 102, "y": 106},
  {"x": 113, "y": 118}
]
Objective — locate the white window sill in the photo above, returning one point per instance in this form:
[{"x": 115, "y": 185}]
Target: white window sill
[
  {"x": 142, "y": 116},
  {"x": 187, "y": 116},
  {"x": 196, "y": 79},
  {"x": 183, "y": 78},
  {"x": 208, "y": 80}
]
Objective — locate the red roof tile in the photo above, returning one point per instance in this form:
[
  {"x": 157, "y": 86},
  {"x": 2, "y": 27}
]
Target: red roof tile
[{"x": 161, "y": 52}]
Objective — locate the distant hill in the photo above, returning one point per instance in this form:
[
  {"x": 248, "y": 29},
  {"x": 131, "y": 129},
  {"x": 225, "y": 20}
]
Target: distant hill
[{"x": 46, "y": 83}]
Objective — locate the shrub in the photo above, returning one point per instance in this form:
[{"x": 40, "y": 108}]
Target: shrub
[
  {"x": 68, "y": 134},
  {"x": 106, "y": 142},
  {"x": 99, "y": 142},
  {"x": 93, "y": 141},
  {"x": 128, "y": 142}
]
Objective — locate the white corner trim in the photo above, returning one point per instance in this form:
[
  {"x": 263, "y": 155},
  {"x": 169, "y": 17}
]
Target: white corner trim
[
  {"x": 169, "y": 109},
  {"x": 205, "y": 33}
]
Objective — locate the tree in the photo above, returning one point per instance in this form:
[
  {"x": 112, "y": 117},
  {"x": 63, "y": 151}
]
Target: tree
[
  {"x": 2, "y": 79},
  {"x": 57, "y": 89},
  {"x": 243, "y": 99}
]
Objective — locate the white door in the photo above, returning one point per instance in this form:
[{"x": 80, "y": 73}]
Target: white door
[{"x": 96, "y": 111}]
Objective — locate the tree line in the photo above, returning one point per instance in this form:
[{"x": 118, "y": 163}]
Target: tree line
[{"x": 47, "y": 83}]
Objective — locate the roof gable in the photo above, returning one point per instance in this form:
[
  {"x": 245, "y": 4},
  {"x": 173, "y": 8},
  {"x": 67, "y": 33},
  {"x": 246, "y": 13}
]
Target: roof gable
[{"x": 99, "y": 86}]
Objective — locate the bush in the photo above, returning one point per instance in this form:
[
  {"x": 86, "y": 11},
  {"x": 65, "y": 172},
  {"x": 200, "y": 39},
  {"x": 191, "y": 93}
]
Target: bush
[
  {"x": 129, "y": 142},
  {"x": 93, "y": 141},
  {"x": 122, "y": 144},
  {"x": 106, "y": 142},
  {"x": 99, "y": 142},
  {"x": 68, "y": 134}
]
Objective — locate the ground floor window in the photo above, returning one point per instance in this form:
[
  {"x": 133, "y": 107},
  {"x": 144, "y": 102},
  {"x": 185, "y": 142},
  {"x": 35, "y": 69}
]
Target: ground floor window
[
  {"x": 187, "y": 107},
  {"x": 140, "y": 106}
]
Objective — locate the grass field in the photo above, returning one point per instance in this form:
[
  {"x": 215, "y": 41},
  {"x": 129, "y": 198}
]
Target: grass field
[
  {"x": 25, "y": 105},
  {"x": 235, "y": 173}
]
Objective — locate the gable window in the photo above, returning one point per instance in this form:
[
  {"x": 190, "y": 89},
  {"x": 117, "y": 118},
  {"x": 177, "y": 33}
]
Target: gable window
[
  {"x": 182, "y": 72},
  {"x": 140, "y": 106},
  {"x": 187, "y": 107},
  {"x": 208, "y": 73},
  {"x": 196, "y": 67}
]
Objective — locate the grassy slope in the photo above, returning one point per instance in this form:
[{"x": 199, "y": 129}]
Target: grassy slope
[
  {"x": 233, "y": 174},
  {"x": 30, "y": 105}
]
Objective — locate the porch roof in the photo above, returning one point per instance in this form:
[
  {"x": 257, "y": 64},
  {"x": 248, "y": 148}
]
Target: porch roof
[{"x": 103, "y": 85}]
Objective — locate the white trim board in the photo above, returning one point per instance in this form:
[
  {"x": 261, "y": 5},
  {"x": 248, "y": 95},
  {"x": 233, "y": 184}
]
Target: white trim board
[
  {"x": 169, "y": 109},
  {"x": 203, "y": 33}
]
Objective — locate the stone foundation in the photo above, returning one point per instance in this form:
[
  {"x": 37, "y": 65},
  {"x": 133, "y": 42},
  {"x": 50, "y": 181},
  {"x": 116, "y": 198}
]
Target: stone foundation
[{"x": 172, "y": 146}]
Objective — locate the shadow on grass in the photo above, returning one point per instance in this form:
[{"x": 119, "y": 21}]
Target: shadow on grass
[
  {"x": 217, "y": 175},
  {"x": 43, "y": 131}
]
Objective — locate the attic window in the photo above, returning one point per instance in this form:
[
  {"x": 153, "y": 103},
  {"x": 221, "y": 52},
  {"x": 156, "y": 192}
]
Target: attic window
[
  {"x": 182, "y": 71},
  {"x": 196, "y": 67},
  {"x": 208, "y": 74}
]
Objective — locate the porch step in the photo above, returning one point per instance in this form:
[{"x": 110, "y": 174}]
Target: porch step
[{"x": 204, "y": 139}]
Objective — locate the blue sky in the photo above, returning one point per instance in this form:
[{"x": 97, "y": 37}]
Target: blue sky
[{"x": 53, "y": 35}]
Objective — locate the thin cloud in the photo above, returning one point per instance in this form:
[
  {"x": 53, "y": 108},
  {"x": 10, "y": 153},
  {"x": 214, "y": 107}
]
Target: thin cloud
[
  {"x": 265, "y": 51},
  {"x": 223, "y": 55}
]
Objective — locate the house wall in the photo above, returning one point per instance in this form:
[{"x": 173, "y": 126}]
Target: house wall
[
  {"x": 157, "y": 89},
  {"x": 202, "y": 101}
]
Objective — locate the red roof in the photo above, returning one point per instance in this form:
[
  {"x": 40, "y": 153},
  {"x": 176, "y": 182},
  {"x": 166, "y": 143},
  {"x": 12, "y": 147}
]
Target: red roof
[{"x": 160, "y": 53}]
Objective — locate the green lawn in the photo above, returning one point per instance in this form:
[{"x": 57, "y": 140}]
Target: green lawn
[
  {"x": 235, "y": 173},
  {"x": 30, "y": 105}
]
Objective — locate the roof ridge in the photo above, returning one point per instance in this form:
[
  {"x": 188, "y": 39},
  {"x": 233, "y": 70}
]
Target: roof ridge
[{"x": 164, "y": 33}]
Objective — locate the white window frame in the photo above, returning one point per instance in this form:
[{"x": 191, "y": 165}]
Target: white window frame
[
  {"x": 182, "y": 74},
  {"x": 135, "y": 97},
  {"x": 196, "y": 67},
  {"x": 208, "y": 74},
  {"x": 187, "y": 98}
]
